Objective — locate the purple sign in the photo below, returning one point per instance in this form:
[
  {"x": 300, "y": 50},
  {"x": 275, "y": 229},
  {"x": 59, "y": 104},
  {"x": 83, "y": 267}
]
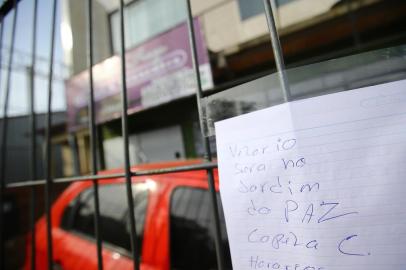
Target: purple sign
[{"x": 158, "y": 71}]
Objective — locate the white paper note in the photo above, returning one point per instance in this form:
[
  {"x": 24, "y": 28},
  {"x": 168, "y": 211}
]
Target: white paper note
[{"x": 317, "y": 184}]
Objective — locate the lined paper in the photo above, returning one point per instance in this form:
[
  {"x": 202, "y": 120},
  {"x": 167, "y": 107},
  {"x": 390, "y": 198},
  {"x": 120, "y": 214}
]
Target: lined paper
[{"x": 317, "y": 184}]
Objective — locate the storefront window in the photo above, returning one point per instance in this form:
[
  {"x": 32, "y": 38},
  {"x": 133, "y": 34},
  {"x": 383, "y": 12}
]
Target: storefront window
[
  {"x": 145, "y": 19},
  {"x": 250, "y": 8}
]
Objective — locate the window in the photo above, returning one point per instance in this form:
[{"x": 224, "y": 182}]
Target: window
[
  {"x": 191, "y": 232},
  {"x": 145, "y": 19},
  {"x": 251, "y": 8},
  {"x": 114, "y": 224}
]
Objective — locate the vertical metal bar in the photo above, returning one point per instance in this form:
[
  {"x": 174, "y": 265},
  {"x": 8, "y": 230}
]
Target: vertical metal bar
[
  {"x": 48, "y": 146},
  {"x": 75, "y": 153},
  {"x": 2, "y": 184},
  {"x": 353, "y": 20},
  {"x": 274, "y": 6},
  {"x": 277, "y": 51},
  {"x": 206, "y": 143},
  {"x": 93, "y": 142},
  {"x": 4, "y": 131},
  {"x": 100, "y": 150},
  {"x": 130, "y": 199},
  {"x": 33, "y": 150}
]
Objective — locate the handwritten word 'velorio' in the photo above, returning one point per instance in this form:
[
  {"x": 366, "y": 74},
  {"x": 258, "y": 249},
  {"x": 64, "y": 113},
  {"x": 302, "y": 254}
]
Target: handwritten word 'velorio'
[
  {"x": 255, "y": 262},
  {"x": 278, "y": 145}
]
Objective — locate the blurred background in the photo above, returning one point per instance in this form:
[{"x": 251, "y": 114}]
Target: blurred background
[{"x": 328, "y": 46}]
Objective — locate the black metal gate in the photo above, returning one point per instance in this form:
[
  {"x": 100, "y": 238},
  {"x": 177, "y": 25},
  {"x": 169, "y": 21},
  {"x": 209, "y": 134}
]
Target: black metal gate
[{"x": 34, "y": 183}]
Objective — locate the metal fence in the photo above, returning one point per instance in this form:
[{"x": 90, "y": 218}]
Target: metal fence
[{"x": 11, "y": 6}]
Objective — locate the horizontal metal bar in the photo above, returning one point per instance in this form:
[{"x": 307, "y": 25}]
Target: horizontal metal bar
[
  {"x": 194, "y": 167},
  {"x": 64, "y": 180},
  {"x": 87, "y": 177},
  {"x": 26, "y": 184},
  {"x": 225, "y": 86}
]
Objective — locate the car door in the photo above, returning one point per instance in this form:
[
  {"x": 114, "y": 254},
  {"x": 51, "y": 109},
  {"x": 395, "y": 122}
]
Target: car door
[
  {"x": 76, "y": 248},
  {"x": 191, "y": 230}
]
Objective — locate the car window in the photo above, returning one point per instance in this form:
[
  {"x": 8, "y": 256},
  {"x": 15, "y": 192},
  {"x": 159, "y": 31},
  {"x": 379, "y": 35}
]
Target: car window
[
  {"x": 114, "y": 225},
  {"x": 191, "y": 231}
]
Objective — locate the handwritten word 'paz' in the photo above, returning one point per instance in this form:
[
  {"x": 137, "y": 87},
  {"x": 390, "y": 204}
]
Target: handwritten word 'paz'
[{"x": 325, "y": 211}]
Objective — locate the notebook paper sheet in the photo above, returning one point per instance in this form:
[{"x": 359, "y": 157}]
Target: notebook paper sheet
[{"x": 317, "y": 184}]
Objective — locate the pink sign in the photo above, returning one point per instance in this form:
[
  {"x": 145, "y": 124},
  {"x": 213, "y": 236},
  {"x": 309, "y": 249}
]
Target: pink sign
[{"x": 158, "y": 71}]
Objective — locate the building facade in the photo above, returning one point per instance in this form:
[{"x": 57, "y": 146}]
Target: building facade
[{"x": 233, "y": 47}]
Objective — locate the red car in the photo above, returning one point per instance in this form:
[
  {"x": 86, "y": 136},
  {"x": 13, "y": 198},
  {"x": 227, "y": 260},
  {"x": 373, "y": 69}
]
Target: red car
[{"x": 173, "y": 223}]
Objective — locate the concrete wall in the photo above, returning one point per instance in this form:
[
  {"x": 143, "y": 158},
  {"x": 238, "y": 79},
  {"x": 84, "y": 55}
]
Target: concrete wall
[{"x": 74, "y": 14}]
